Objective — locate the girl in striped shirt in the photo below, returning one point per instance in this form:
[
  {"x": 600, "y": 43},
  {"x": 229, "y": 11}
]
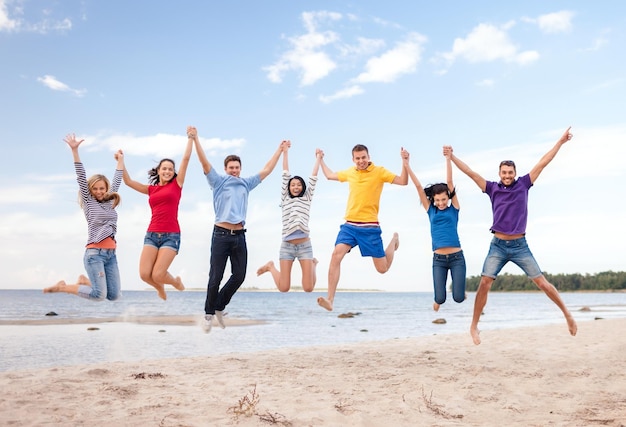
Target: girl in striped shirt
[
  {"x": 296, "y": 207},
  {"x": 98, "y": 199}
]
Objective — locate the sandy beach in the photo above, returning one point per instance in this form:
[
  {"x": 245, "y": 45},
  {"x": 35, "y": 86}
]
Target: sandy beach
[{"x": 535, "y": 376}]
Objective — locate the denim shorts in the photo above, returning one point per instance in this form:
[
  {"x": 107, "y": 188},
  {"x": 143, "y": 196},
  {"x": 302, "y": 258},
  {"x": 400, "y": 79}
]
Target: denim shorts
[
  {"x": 368, "y": 239},
  {"x": 516, "y": 251},
  {"x": 162, "y": 240},
  {"x": 290, "y": 252}
]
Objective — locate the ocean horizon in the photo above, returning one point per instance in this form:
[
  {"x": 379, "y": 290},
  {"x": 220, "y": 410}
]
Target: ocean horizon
[{"x": 277, "y": 320}]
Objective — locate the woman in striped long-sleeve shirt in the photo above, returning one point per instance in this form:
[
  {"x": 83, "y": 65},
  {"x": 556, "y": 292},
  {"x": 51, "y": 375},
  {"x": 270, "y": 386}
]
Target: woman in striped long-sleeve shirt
[
  {"x": 98, "y": 199},
  {"x": 296, "y": 208}
]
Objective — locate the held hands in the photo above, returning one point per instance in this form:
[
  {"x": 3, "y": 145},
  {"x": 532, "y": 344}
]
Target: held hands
[
  {"x": 404, "y": 154},
  {"x": 192, "y": 132},
  {"x": 70, "y": 138},
  {"x": 319, "y": 154},
  {"x": 447, "y": 151},
  {"x": 285, "y": 145},
  {"x": 119, "y": 155}
]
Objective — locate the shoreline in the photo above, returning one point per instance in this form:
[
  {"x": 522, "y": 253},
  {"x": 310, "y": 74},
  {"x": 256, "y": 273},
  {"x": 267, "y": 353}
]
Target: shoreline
[{"x": 529, "y": 376}]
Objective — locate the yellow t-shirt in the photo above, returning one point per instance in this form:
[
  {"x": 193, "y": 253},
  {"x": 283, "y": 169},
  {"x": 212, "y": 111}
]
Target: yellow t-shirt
[{"x": 366, "y": 187}]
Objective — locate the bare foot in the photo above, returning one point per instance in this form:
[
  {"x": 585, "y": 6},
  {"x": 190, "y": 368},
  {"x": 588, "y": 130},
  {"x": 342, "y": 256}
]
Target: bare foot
[
  {"x": 178, "y": 284},
  {"x": 396, "y": 237},
  {"x": 475, "y": 335},
  {"x": 161, "y": 292},
  {"x": 571, "y": 324},
  {"x": 323, "y": 302},
  {"x": 83, "y": 280},
  {"x": 436, "y": 306},
  {"x": 56, "y": 288},
  {"x": 265, "y": 268},
  {"x": 315, "y": 261}
]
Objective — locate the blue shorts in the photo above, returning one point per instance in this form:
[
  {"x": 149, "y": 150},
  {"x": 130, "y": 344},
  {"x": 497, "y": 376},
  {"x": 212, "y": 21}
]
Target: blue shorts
[
  {"x": 162, "y": 240},
  {"x": 516, "y": 251},
  {"x": 290, "y": 252},
  {"x": 368, "y": 239}
]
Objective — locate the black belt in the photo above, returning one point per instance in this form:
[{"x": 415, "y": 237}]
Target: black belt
[{"x": 228, "y": 231}]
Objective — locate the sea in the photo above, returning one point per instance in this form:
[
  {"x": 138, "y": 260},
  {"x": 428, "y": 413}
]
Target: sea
[{"x": 285, "y": 320}]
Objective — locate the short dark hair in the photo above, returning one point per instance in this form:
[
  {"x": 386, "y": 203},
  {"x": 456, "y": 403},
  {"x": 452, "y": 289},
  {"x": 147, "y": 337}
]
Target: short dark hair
[
  {"x": 360, "y": 147},
  {"x": 507, "y": 163},
  {"x": 232, "y": 158}
]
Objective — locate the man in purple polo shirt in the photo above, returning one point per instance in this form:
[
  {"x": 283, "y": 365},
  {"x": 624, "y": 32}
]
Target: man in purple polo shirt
[{"x": 509, "y": 204}]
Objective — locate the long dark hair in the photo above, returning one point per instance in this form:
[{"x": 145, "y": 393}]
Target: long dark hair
[
  {"x": 434, "y": 189},
  {"x": 153, "y": 174},
  {"x": 299, "y": 178}
]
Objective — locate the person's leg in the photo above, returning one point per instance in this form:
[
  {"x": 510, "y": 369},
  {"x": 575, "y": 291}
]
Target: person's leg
[
  {"x": 112, "y": 274},
  {"x": 458, "y": 271},
  {"x": 62, "y": 286},
  {"x": 523, "y": 257},
  {"x": 160, "y": 273},
  {"x": 220, "y": 251},
  {"x": 334, "y": 271},
  {"x": 238, "y": 266},
  {"x": 146, "y": 266},
  {"x": 496, "y": 259},
  {"x": 282, "y": 277},
  {"x": 94, "y": 261},
  {"x": 440, "y": 277},
  {"x": 383, "y": 264},
  {"x": 309, "y": 274}
]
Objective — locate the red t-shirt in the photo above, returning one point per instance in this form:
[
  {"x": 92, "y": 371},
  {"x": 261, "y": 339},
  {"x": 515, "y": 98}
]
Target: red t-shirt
[{"x": 163, "y": 200}]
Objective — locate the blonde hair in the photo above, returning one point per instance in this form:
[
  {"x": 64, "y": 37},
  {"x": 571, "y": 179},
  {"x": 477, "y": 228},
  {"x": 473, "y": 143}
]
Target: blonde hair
[{"x": 108, "y": 196}]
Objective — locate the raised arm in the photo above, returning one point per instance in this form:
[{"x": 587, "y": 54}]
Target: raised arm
[
  {"x": 547, "y": 158},
  {"x": 328, "y": 173},
  {"x": 447, "y": 152},
  {"x": 318, "y": 159},
  {"x": 403, "y": 178},
  {"x": 418, "y": 185},
  {"x": 137, "y": 186},
  {"x": 192, "y": 134},
  {"x": 479, "y": 180},
  {"x": 184, "y": 162},
  {"x": 286, "y": 157},
  {"x": 71, "y": 140},
  {"x": 271, "y": 164}
]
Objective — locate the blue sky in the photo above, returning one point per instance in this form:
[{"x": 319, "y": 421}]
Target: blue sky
[{"x": 494, "y": 80}]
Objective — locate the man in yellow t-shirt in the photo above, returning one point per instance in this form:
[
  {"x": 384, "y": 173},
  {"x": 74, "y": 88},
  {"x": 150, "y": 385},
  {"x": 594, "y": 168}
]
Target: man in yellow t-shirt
[{"x": 361, "y": 227}]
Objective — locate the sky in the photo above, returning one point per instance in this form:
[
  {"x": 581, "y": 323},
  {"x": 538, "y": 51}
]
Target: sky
[{"x": 496, "y": 80}]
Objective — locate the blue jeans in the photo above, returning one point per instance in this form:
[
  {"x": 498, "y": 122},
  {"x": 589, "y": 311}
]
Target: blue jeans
[
  {"x": 104, "y": 275},
  {"x": 225, "y": 245},
  {"x": 456, "y": 264},
  {"x": 516, "y": 251}
]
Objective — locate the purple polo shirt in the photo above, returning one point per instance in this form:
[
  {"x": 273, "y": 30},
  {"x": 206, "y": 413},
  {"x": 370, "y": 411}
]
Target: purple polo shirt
[{"x": 509, "y": 205}]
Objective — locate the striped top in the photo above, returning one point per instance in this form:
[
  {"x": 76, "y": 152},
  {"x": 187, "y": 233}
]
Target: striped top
[
  {"x": 296, "y": 210},
  {"x": 101, "y": 216}
]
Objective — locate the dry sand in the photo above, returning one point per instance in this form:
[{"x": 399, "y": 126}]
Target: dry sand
[{"x": 535, "y": 376}]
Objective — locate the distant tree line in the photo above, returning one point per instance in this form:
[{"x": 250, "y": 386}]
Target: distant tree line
[{"x": 604, "y": 281}]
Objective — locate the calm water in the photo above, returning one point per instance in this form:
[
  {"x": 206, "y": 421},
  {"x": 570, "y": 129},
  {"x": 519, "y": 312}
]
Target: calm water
[{"x": 291, "y": 320}]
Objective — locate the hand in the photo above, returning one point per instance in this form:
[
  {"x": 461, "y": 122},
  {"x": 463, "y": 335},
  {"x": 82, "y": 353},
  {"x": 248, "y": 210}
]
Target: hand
[
  {"x": 285, "y": 145},
  {"x": 447, "y": 151},
  {"x": 192, "y": 132},
  {"x": 70, "y": 138},
  {"x": 567, "y": 135},
  {"x": 119, "y": 155},
  {"x": 319, "y": 153},
  {"x": 404, "y": 154}
]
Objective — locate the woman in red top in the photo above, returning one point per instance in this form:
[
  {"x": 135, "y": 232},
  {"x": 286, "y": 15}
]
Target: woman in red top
[{"x": 162, "y": 240}]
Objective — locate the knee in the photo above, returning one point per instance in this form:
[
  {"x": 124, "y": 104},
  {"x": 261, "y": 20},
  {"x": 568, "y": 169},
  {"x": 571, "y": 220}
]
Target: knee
[{"x": 97, "y": 295}]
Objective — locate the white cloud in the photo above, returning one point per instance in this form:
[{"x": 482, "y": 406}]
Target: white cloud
[
  {"x": 342, "y": 94},
  {"x": 306, "y": 55},
  {"x": 485, "y": 83},
  {"x": 160, "y": 145},
  {"x": 487, "y": 43},
  {"x": 402, "y": 59},
  {"x": 557, "y": 22},
  {"x": 6, "y": 23},
  {"x": 47, "y": 24},
  {"x": 52, "y": 83}
]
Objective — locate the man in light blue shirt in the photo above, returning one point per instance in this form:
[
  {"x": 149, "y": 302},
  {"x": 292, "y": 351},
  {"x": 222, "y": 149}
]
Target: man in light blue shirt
[{"x": 230, "y": 202}]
